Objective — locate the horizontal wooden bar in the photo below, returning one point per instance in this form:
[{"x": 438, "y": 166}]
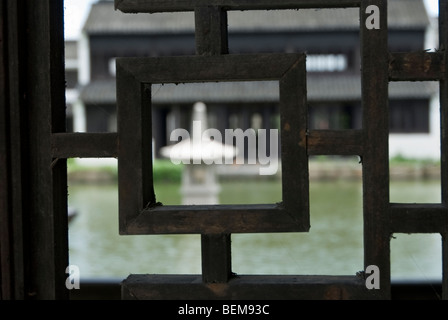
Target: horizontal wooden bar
[
  {"x": 214, "y": 219},
  {"x": 246, "y": 287},
  {"x": 84, "y": 145},
  {"x": 198, "y": 68},
  {"x": 416, "y": 66},
  {"x": 110, "y": 289},
  {"x": 335, "y": 142},
  {"x": 418, "y": 218},
  {"x": 151, "y": 6}
]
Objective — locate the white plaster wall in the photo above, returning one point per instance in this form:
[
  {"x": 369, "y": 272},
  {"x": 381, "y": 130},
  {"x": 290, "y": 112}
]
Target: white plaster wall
[{"x": 419, "y": 146}]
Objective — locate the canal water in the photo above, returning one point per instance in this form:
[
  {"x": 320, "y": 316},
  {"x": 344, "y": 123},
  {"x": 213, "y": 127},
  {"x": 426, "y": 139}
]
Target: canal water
[{"x": 334, "y": 245}]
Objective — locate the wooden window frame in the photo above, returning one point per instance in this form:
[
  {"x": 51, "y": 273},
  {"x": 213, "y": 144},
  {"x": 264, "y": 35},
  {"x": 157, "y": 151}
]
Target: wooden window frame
[
  {"x": 139, "y": 211},
  {"x": 38, "y": 146}
]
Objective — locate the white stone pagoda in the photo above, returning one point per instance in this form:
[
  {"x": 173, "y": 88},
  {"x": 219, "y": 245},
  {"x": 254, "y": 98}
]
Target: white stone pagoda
[{"x": 200, "y": 154}]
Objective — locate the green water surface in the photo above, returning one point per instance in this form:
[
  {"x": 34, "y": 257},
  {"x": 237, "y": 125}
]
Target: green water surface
[{"x": 333, "y": 246}]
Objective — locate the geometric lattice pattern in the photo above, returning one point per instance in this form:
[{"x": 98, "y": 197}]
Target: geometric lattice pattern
[{"x": 141, "y": 214}]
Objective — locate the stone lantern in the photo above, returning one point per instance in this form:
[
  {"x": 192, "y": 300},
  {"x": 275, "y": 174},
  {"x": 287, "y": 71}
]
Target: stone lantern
[{"x": 200, "y": 154}]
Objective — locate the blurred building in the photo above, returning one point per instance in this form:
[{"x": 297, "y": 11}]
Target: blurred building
[
  {"x": 330, "y": 38},
  {"x": 71, "y": 79}
]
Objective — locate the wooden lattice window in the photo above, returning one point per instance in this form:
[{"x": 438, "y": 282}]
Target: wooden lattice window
[{"x": 381, "y": 218}]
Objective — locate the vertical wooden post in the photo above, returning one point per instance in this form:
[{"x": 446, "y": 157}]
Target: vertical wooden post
[
  {"x": 46, "y": 178},
  {"x": 211, "y": 39},
  {"x": 4, "y": 241},
  {"x": 13, "y": 144},
  {"x": 443, "y": 45},
  {"x": 375, "y": 83},
  {"x": 33, "y": 186},
  {"x": 6, "y": 290},
  {"x": 216, "y": 258},
  {"x": 211, "y": 31}
]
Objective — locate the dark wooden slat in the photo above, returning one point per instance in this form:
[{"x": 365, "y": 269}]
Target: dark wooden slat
[
  {"x": 144, "y": 154},
  {"x": 375, "y": 83},
  {"x": 84, "y": 145},
  {"x": 212, "y": 39},
  {"x": 418, "y": 218},
  {"x": 231, "y": 67},
  {"x": 58, "y": 253},
  {"x": 416, "y": 66},
  {"x": 291, "y": 287},
  {"x": 47, "y": 224},
  {"x": 293, "y": 127},
  {"x": 135, "y": 176},
  {"x": 443, "y": 39},
  {"x": 216, "y": 252},
  {"x": 6, "y": 267},
  {"x": 214, "y": 219},
  {"x": 96, "y": 289},
  {"x": 13, "y": 141},
  {"x": 37, "y": 226},
  {"x": 211, "y": 31},
  {"x": 110, "y": 289},
  {"x": 54, "y": 15},
  {"x": 335, "y": 142},
  {"x": 134, "y": 6}
]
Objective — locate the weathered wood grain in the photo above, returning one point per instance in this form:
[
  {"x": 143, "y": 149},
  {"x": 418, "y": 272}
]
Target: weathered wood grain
[
  {"x": 47, "y": 219},
  {"x": 418, "y": 218},
  {"x": 211, "y": 31},
  {"x": 375, "y": 97},
  {"x": 416, "y": 66},
  {"x": 335, "y": 142},
  {"x": 212, "y": 39},
  {"x": 231, "y": 67},
  {"x": 84, "y": 145},
  {"x": 214, "y": 219},
  {"x": 246, "y": 287}
]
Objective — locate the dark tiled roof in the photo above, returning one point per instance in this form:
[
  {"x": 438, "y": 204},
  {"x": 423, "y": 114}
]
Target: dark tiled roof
[
  {"x": 339, "y": 88},
  {"x": 104, "y": 19}
]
